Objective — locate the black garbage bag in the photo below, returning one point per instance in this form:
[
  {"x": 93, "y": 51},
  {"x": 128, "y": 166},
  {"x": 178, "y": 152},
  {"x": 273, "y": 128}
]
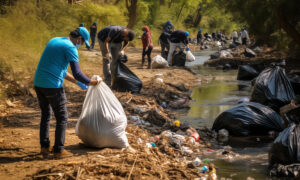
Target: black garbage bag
[
  {"x": 215, "y": 55},
  {"x": 272, "y": 88},
  {"x": 249, "y": 53},
  {"x": 125, "y": 80},
  {"x": 246, "y": 72},
  {"x": 179, "y": 58},
  {"x": 280, "y": 170},
  {"x": 123, "y": 58},
  {"x": 233, "y": 45},
  {"x": 249, "y": 118},
  {"x": 293, "y": 115},
  {"x": 295, "y": 81},
  {"x": 286, "y": 147}
]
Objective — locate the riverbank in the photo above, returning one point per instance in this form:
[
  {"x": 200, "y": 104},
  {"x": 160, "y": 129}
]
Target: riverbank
[
  {"x": 19, "y": 142},
  {"x": 264, "y": 56}
]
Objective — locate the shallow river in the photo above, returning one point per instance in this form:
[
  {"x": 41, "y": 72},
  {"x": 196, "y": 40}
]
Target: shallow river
[{"x": 218, "y": 92}]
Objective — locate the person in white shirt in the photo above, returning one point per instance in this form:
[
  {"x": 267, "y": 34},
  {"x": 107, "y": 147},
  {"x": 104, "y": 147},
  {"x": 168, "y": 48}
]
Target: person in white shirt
[
  {"x": 235, "y": 36},
  {"x": 244, "y": 36}
]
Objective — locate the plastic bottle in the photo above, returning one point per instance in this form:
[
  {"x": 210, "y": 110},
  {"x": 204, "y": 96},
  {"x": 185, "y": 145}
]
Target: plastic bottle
[
  {"x": 196, "y": 136},
  {"x": 203, "y": 169},
  {"x": 164, "y": 105},
  {"x": 197, "y": 162},
  {"x": 206, "y": 161}
]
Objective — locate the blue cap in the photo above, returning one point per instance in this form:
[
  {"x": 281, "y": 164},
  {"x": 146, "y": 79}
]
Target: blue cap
[
  {"x": 81, "y": 25},
  {"x": 186, "y": 33},
  {"x": 168, "y": 22},
  {"x": 200, "y": 29},
  {"x": 95, "y": 23},
  {"x": 85, "y": 35}
]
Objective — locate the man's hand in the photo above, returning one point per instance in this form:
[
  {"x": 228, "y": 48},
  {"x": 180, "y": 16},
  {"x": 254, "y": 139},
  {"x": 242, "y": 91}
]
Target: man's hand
[
  {"x": 94, "y": 82},
  {"x": 82, "y": 85},
  {"x": 108, "y": 56},
  {"x": 122, "y": 52}
]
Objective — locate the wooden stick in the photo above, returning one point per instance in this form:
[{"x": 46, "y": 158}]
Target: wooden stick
[{"x": 132, "y": 167}]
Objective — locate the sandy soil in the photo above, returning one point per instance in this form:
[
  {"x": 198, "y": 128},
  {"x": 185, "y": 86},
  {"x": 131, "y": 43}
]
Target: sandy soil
[{"x": 19, "y": 135}]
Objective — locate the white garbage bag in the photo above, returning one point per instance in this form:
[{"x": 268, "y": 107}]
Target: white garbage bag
[
  {"x": 225, "y": 53},
  {"x": 189, "y": 56},
  {"x": 102, "y": 122},
  {"x": 159, "y": 62}
]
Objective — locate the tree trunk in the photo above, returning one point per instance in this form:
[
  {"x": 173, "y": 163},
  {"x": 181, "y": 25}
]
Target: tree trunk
[
  {"x": 286, "y": 26},
  {"x": 131, "y": 6},
  {"x": 71, "y": 1},
  {"x": 198, "y": 17},
  {"x": 116, "y": 2},
  {"x": 180, "y": 11}
]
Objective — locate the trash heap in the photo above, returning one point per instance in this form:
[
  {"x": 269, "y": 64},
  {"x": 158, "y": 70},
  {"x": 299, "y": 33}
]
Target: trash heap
[{"x": 273, "y": 107}]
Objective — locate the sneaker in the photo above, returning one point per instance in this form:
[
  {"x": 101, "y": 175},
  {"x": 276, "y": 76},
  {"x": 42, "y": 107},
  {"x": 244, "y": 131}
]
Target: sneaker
[
  {"x": 46, "y": 151},
  {"x": 62, "y": 154}
]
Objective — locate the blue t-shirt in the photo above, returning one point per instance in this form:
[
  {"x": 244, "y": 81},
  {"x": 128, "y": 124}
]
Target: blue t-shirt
[{"x": 53, "y": 65}]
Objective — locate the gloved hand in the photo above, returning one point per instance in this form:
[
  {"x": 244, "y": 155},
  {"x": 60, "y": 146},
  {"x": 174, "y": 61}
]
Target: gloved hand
[
  {"x": 187, "y": 49},
  {"x": 82, "y": 85},
  {"x": 108, "y": 56},
  {"x": 122, "y": 52}
]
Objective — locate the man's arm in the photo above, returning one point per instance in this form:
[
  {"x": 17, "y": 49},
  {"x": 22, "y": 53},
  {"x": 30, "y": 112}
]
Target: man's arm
[{"x": 106, "y": 44}]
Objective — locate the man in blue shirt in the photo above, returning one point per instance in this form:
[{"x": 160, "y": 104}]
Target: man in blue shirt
[{"x": 48, "y": 84}]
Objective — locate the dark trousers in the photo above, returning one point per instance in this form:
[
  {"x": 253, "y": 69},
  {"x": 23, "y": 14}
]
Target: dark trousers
[
  {"x": 164, "y": 46},
  {"x": 55, "y": 99},
  {"x": 93, "y": 39},
  {"x": 148, "y": 52},
  {"x": 244, "y": 41}
]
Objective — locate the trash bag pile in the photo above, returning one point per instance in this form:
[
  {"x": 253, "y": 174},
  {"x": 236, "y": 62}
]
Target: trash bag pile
[
  {"x": 102, "y": 122},
  {"x": 125, "y": 80},
  {"x": 249, "y": 118},
  {"x": 272, "y": 88},
  {"x": 284, "y": 154},
  {"x": 295, "y": 81}
]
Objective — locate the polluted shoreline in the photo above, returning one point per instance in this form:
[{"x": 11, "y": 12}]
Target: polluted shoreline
[{"x": 161, "y": 146}]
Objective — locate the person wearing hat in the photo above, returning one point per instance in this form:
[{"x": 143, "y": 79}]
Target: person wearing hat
[
  {"x": 199, "y": 36},
  {"x": 48, "y": 84},
  {"x": 168, "y": 27},
  {"x": 81, "y": 24},
  {"x": 93, "y": 31},
  {"x": 178, "y": 39},
  {"x": 110, "y": 40}
]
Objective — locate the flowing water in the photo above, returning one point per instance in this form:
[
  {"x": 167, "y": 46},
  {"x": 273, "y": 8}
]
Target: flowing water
[{"x": 217, "y": 92}]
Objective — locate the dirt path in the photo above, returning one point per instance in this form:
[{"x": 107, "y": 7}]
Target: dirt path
[{"x": 19, "y": 134}]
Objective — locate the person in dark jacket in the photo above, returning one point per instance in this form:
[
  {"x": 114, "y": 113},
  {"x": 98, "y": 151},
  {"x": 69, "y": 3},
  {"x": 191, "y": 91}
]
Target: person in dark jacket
[
  {"x": 199, "y": 36},
  {"x": 168, "y": 27},
  {"x": 93, "y": 32},
  {"x": 110, "y": 40},
  {"x": 48, "y": 84},
  {"x": 178, "y": 39},
  {"x": 147, "y": 46},
  {"x": 164, "y": 43}
]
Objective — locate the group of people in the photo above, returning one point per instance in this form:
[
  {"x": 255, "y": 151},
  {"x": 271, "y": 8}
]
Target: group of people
[
  {"x": 170, "y": 40},
  {"x": 243, "y": 35},
  {"x": 60, "y": 52},
  {"x": 220, "y": 36}
]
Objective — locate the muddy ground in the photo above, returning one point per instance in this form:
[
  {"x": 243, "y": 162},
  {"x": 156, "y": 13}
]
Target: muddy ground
[
  {"x": 19, "y": 130},
  {"x": 19, "y": 135}
]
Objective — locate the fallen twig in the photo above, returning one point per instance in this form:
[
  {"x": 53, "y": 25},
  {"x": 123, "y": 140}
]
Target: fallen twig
[{"x": 132, "y": 166}]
